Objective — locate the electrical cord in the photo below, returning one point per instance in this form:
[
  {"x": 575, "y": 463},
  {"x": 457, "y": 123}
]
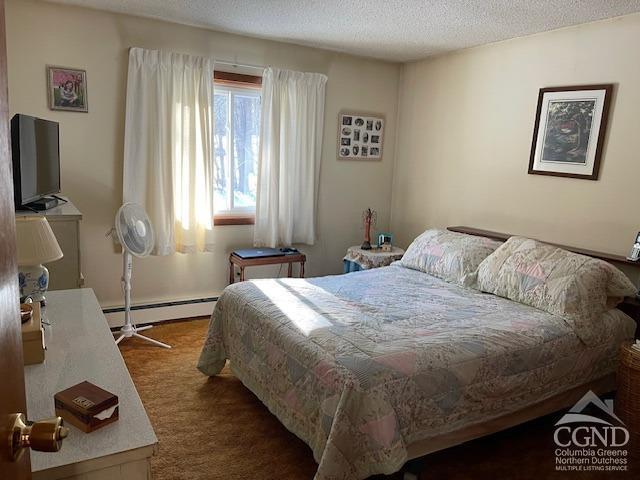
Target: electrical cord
[{"x": 60, "y": 199}]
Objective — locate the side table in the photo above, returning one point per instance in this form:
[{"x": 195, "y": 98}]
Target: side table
[
  {"x": 242, "y": 263},
  {"x": 358, "y": 259}
]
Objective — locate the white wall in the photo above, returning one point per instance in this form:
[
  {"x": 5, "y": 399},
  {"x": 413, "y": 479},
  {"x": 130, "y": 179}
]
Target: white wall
[
  {"x": 91, "y": 144},
  {"x": 465, "y": 129}
]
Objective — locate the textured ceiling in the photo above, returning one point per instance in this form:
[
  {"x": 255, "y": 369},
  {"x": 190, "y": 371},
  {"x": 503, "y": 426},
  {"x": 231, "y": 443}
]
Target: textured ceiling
[{"x": 396, "y": 30}]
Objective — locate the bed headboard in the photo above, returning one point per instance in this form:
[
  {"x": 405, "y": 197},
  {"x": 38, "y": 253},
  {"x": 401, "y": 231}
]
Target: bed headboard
[
  {"x": 607, "y": 257},
  {"x": 630, "y": 306}
]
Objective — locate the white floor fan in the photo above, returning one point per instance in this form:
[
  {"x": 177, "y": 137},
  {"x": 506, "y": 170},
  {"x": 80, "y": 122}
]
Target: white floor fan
[{"x": 136, "y": 236}]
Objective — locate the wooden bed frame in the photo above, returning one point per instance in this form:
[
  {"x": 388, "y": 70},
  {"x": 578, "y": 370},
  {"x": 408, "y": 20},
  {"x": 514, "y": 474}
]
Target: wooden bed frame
[
  {"x": 550, "y": 405},
  {"x": 502, "y": 237}
]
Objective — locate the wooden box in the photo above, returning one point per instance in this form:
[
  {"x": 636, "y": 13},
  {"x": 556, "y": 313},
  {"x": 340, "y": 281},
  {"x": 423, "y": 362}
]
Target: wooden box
[
  {"x": 33, "y": 338},
  {"x": 86, "y": 406}
]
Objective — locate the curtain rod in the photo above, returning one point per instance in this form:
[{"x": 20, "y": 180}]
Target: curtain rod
[
  {"x": 237, "y": 64},
  {"x": 232, "y": 64}
]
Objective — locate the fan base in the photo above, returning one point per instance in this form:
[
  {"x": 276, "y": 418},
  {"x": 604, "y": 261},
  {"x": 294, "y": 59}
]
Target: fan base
[{"x": 128, "y": 331}]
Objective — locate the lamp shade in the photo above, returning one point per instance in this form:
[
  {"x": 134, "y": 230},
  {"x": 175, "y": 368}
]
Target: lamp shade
[{"x": 36, "y": 242}]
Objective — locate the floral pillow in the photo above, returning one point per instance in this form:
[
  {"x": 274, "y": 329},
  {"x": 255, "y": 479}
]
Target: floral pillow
[
  {"x": 576, "y": 287},
  {"x": 452, "y": 256}
]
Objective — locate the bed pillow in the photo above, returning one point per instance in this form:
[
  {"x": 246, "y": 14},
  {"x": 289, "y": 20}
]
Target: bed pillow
[
  {"x": 452, "y": 256},
  {"x": 576, "y": 287}
]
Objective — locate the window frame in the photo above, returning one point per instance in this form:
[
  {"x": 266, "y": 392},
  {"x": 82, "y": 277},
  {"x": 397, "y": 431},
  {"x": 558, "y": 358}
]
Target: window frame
[{"x": 235, "y": 82}]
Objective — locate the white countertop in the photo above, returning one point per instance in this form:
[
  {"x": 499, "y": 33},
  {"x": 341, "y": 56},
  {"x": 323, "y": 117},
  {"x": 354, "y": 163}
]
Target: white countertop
[
  {"x": 65, "y": 210},
  {"x": 81, "y": 347}
]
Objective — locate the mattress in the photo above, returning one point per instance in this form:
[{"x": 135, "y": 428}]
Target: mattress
[{"x": 361, "y": 366}]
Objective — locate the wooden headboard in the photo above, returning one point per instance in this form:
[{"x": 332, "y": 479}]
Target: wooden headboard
[
  {"x": 607, "y": 257},
  {"x": 630, "y": 306}
]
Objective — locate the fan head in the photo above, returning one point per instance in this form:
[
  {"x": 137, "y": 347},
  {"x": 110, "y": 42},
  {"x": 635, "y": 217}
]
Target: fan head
[{"x": 134, "y": 229}]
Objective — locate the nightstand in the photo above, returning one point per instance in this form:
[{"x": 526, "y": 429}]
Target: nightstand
[
  {"x": 627, "y": 404},
  {"x": 358, "y": 259}
]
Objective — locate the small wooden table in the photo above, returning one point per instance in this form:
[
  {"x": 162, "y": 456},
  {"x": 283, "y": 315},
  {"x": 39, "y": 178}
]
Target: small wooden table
[{"x": 254, "y": 262}]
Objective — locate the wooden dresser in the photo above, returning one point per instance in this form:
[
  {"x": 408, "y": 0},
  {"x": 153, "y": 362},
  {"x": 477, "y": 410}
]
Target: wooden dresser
[{"x": 80, "y": 347}]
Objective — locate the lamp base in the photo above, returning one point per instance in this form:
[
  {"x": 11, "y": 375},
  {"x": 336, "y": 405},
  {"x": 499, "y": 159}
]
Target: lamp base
[{"x": 34, "y": 282}]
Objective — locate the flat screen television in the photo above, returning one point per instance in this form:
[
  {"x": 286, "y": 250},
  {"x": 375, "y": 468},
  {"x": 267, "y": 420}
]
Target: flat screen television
[{"x": 35, "y": 146}]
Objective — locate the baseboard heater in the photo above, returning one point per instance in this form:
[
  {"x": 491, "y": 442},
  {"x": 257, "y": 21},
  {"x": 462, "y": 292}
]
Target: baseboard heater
[{"x": 163, "y": 311}]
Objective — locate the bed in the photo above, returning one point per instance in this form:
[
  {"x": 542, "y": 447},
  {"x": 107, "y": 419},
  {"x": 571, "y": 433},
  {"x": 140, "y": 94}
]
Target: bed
[{"x": 376, "y": 367}]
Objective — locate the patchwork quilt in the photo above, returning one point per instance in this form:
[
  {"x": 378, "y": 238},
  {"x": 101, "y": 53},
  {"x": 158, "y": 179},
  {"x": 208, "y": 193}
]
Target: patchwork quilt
[
  {"x": 362, "y": 365},
  {"x": 576, "y": 287}
]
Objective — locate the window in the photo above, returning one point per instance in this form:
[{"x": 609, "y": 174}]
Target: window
[{"x": 236, "y": 142}]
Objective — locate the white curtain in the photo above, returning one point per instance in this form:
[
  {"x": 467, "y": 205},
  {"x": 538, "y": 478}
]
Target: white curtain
[
  {"x": 290, "y": 151},
  {"x": 168, "y": 147}
]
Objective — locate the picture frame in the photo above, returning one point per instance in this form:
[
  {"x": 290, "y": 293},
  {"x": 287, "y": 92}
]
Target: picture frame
[
  {"x": 67, "y": 89},
  {"x": 360, "y": 136},
  {"x": 569, "y": 131},
  {"x": 385, "y": 237}
]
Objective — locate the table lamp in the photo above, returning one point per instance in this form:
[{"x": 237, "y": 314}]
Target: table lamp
[{"x": 36, "y": 245}]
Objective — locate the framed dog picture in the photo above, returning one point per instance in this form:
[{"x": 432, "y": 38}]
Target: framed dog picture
[
  {"x": 360, "y": 136},
  {"x": 569, "y": 131},
  {"x": 67, "y": 89}
]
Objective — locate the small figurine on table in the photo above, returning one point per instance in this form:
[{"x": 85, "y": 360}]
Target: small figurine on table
[{"x": 369, "y": 218}]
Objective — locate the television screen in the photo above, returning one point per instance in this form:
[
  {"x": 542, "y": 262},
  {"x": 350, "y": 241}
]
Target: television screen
[{"x": 36, "y": 158}]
